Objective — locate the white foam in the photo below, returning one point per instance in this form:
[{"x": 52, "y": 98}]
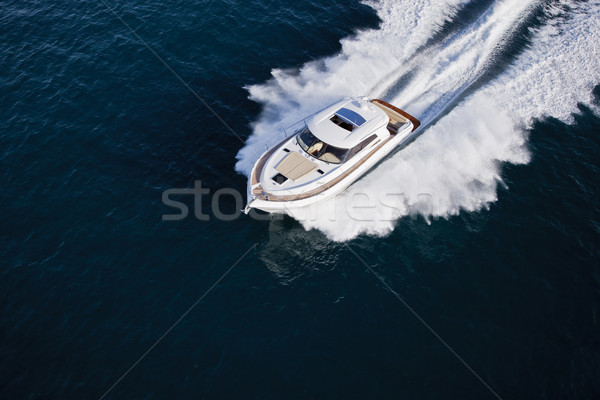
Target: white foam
[
  {"x": 558, "y": 71},
  {"x": 364, "y": 60},
  {"x": 455, "y": 164}
]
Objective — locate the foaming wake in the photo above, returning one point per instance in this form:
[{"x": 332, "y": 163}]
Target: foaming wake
[
  {"x": 455, "y": 164},
  {"x": 364, "y": 61}
]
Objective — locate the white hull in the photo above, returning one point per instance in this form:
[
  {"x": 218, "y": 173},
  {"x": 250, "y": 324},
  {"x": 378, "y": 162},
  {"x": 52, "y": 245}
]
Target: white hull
[
  {"x": 344, "y": 140},
  {"x": 283, "y": 206}
]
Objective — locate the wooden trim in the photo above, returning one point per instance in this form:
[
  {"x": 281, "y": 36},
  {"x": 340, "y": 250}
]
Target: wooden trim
[
  {"x": 257, "y": 169},
  {"x": 416, "y": 123}
]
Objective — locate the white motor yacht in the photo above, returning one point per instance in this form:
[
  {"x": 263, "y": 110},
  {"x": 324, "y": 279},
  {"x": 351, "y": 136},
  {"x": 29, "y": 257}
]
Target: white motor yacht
[{"x": 331, "y": 149}]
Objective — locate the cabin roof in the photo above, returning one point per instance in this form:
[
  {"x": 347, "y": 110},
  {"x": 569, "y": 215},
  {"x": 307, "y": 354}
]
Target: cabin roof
[{"x": 347, "y": 122}]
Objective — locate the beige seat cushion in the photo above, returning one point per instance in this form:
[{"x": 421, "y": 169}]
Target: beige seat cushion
[{"x": 294, "y": 166}]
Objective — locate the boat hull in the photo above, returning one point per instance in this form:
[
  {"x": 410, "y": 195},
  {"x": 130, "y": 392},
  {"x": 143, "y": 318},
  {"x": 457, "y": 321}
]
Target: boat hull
[{"x": 285, "y": 206}]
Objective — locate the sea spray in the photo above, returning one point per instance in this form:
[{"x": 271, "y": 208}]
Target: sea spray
[{"x": 456, "y": 162}]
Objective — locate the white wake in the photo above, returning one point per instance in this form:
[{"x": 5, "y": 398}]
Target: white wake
[{"x": 455, "y": 164}]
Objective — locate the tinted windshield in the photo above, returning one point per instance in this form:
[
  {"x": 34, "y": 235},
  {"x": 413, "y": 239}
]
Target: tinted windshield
[{"x": 319, "y": 149}]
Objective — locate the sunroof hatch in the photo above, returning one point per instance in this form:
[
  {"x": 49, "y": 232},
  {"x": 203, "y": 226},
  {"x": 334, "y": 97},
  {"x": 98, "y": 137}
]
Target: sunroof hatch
[{"x": 351, "y": 117}]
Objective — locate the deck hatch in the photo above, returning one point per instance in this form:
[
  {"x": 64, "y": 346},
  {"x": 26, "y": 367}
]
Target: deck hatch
[
  {"x": 280, "y": 179},
  {"x": 350, "y": 117}
]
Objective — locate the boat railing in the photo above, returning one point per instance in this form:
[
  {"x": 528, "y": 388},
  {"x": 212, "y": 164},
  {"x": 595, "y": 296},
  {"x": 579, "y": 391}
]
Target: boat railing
[
  {"x": 285, "y": 134},
  {"x": 290, "y": 131}
]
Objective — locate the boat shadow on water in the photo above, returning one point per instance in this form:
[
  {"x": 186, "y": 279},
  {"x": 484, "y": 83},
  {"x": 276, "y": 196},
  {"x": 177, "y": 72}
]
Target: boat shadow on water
[{"x": 293, "y": 252}]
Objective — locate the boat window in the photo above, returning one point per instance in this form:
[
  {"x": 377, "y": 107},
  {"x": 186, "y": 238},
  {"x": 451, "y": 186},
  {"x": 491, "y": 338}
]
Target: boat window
[
  {"x": 350, "y": 116},
  {"x": 361, "y": 146},
  {"x": 341, "y": 123},
  {"x": 319, "y": 149}
]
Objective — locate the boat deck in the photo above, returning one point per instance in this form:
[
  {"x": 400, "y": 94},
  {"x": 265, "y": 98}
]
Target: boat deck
[
  {"x": 397, "y": 116},
  {"x": 397, "y": 119}
]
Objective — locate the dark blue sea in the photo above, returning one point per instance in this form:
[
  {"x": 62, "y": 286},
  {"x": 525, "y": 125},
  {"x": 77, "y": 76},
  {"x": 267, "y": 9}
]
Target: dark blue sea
[{"x": 465, "y": 266}]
